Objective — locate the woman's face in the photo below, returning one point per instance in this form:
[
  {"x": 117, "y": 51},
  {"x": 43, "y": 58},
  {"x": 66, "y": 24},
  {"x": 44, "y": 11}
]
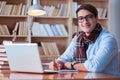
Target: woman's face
[{"x": 86, "y": 21}]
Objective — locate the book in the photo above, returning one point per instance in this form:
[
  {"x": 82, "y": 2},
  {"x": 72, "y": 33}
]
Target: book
[
  {"x": 23, "y": 9},
  {"x": 55, "y": 48},
  {"x": 48, "y": 29},
  {"x": 9, "y": 9},
  {"x": 57, "y": 26},
  {"x": 63, "y": 29},
  {"x": 19, "y": 9},
  {"x": 74, "y": 8},
  {"x": 42, "y": 31},
  {"x": 4, "y": 62},
  {"x": 104, "y": 15},
  {"x": 25, "y": 28},
  {"x": 35, "y": 29},
  {"x": 100, "y": 12},
  {"x": 44, "y": 47},
  {"x": 2, "y": 54},
  {"x": 5, "y": 29},
  {"x": 2, "y": 7},
  {"x": 3, "y": 59},
  {"x": 50, "y": 48},
  {"x": 41, "y": 50},
  {"x": 2, "y": 49},
  {"x": 1, "y": 30},
  {"x": 55, "y": 12},
  {"x": 51, "y": 9},
  {"x": 13, "y": 10},
  {"x": 60, "y": 9},
  {"x": 54, "y": 30},
  {"x": 5, "y": 71},
  {"x": 4, "y": 67}
]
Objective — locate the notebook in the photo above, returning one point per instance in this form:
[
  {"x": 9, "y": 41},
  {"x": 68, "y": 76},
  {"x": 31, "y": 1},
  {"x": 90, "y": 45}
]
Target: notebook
[{"x": 25, "y": 57}]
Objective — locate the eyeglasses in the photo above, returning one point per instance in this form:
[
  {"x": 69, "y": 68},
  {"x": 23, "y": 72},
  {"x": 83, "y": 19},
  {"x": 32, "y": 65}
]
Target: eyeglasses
[{"x": 87, "y": 18}]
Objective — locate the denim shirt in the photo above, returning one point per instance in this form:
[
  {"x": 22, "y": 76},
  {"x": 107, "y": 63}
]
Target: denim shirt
[{"x": 102, "y": 56}]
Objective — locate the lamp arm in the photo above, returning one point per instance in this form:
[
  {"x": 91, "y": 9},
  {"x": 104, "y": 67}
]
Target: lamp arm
[{"x": 30, "y": 24}]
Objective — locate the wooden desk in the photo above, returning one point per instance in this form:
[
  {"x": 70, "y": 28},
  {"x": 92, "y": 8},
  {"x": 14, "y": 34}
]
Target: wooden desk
[{"x": 62, "y": 75}]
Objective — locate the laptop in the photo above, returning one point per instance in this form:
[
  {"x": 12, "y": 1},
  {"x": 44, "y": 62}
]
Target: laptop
[{"x": 25, "y": 57}]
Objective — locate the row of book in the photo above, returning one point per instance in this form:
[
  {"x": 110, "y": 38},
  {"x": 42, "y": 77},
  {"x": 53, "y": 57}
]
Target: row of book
[
  {"x": 21, "y": 9},
  {"x": 48, "y": 30},
  {"x": 21, "y": 28},
  {"x": 102, "y": 12},
  {"x": 50, "y": 48},
  {"x": 59, "y": 10},
  {"x": 12, "y": 9}
]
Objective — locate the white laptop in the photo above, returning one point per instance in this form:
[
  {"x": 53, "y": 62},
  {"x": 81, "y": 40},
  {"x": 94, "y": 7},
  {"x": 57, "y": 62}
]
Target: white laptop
[{"x": 25, "y": 57}]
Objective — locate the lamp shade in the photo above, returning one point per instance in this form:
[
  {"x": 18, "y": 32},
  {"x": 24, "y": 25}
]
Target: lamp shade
[{"x": 36, "y": 9}]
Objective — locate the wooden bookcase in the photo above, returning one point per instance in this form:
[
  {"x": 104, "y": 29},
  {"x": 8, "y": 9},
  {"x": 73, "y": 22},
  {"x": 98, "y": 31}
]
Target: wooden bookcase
[
  {"x": 11, "y": 20},
  {"x": 68, "y": 21}
]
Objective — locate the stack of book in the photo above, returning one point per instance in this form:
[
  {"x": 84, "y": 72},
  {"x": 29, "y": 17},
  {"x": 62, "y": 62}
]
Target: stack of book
[{"x": 4, "y": 66}]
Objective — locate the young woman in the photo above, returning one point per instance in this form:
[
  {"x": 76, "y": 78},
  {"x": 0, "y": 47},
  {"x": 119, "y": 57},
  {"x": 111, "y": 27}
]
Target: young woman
[{"x": 93, "y": 49}]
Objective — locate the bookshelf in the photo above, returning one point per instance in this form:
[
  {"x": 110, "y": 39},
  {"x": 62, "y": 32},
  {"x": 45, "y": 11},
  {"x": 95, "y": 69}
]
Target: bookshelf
[
  {"x": 11, "y": 16},
  {"x": 58, "y": 12},
  {"x": 58, "y": 18}
]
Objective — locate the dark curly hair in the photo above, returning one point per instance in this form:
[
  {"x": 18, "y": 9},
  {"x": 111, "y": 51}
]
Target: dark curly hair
[{"x": 88, "y": 7}]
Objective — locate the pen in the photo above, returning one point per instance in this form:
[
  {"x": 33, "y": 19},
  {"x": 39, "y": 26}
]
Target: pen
[{"x": 55, "y": 60}]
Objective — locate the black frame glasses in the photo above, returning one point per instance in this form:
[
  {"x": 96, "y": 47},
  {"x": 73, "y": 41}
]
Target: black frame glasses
[{"x": 87, "y": 18}]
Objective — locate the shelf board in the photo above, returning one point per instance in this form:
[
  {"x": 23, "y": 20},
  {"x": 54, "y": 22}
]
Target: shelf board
[
  {"x": 9, "y": 36},
  {"x": 25, "y": 16},
  {"x": 50, "y": 36},
  {"x": 61, "y": 17},
  {"x": 34, "y": 36},
  {"x": 18, "y": 16}
]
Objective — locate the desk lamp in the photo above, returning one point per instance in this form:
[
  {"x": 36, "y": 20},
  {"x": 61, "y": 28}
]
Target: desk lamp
[{"x": 35, "y": 10}]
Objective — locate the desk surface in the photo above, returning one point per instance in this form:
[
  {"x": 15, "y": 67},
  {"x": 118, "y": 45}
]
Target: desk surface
[
  {"x": 62, "y": 75},
  {"x": 7, "y": 75}
]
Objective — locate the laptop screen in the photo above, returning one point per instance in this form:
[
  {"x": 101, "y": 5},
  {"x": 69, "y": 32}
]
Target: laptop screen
[{"x": 24, "y": 57}]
